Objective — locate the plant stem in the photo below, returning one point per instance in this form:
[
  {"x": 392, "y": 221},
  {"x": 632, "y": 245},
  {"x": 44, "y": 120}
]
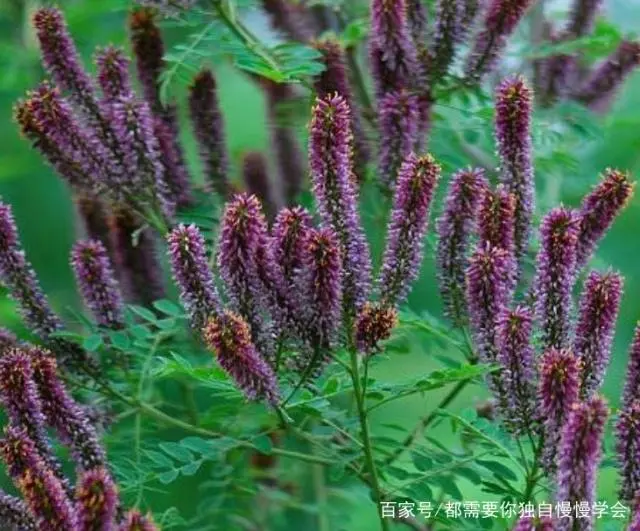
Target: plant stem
[
  {"x": 366, "y": 439},
  {"x": 321, "y": 497}
]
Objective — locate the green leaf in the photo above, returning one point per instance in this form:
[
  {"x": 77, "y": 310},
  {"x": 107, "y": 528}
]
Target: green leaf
[
  {"x": 168, "y": 477},
  {"x": 177, "y": 451},
  {"x": 498, "y": 469},
  {"x": 120, "y": 340},
  {"x": 263, "y": 444},
  {"x": 191, "y": 468},
  {"x": 168, "y": 307},
  {"x": 147, "y": 315},
  {"x": 159, "y": 459},
  {"x": 93, "y": 342}
]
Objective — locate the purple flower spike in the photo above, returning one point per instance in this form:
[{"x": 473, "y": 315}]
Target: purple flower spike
[
  {"x": 134, "y": 521},
  {"x": 488, "y": 290},
  {"x": 16, "y": 273},
  {"x": 417, "y": 17},
  {"x": 448, "y": 35},
  {"x": 209, "y": 131},
  {"x": 330, "y": 149},
  {"x": 288, "y": 240},
  {"x": 134, "y": 128},
  {"x": 42, "y": 491},
  {"x": 290, "y": 18},
  {"x": 97, "y": 501},
  {"x": 513, "y": 137},
  {"x": 517, "y": 358},
  {"x": 374, "y": 324},
  {"x": 256, "y": 178},
  {"x": 64, "y": 415},
  {"x": 8, "y": 340},
  {"x": 334, "y": 79},
  {"x": 598, "y": 314},
  {"x": 188, "y": 256},
  {"x": 15, "y": 514},
  {"x": 19, "y": 396},
  {"x": 496, "y": 218},
  {"x": 321, "y": 286},
  {"x": 62, "y": 59},
  {"x": 407, "y": 227},
  {"x": 97, "y": 283},
  {"x": 141, "y": 279},
  {"x": 455, "y": 228},
  {"x": 113, "y": 73},
  {"x": 582, "y": 17},
  {"x": 599, "y": 209},
  {"x": 628, "y": 450},
  {"x": 230, "y": 337},
  {"x": 558, "y": 390},
  {"x": 605, "y": 80},
  {"x": 500, "y": 21},
  {"x": 556, "y": 274},
  {"x": 176, "y": 174},
  {"x": 95, "y": 218},
  {"x": 579, "y": 457},
  {"x": 631, "y": 391},
  {"x": 534, "y": 524},
  {"x": 392, "y": 52},
  {"x": 399, "y": 126},
  {"x": 635, "y": 520}
]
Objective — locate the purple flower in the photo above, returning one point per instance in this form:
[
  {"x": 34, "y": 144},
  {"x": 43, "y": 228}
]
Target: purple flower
[
  {"x": 516, "y": 356},
  {"x": 628, "y": 449},
  {"x": 16, "y": 273},
  {"x": 534, "y": 524},
  {"x": 191, "y": 271},
  {"x": 97, "y": 501},
  {"x": 21, "y": 400},
  {"x": 65, "y": 415},
  {"x": 141, "y": 276},
  {"x": 134, "y": 521},
  {"x": 288, "y": 240},
  {"x": 113, "y": 73},
  {"x": 417, "y": 17},
  {"x": 95, "y": 278},
  {"x": 330, "y": 150},
  {"x": 407, "y": 226},
  {"x": 334, "y": 79},
  {"x": 605, "y": 80},
  {"x": 209, "y": 131},
  {"x": 578, "y": 458},
  {"x": 256, "y": 179},
  {"x": 52, "y": 119},
  {"x": 134, "y": 128},
  {"x": 94, "y": 218},
  {"x": 496, "y": 215},
  {"x": 489, "y": 292},
  {"x": 448, "y": 35},
  {"x": 455, "y": 228},
  {"x": 284, "y": 143},
  {"x": 558, "y": 390},
  {"x": 320, "y": 283},
  {"x": 229, "y": 335},
  {"x": 513, "y": 137},
  {"x": 42, "y": 491},
  {"x": 631, "y": 391},
  {"x": 290, "y": 18},
  {"x": 399, "y": 117},
  {"x": 598, "y": 314},
  {"x": 7, "y": 340},
  {"x": 555, "y": 276},
  {"x": 582, "y": 17},
  {"x": 392, "y": 53},
  {"x": 374, "y": 324},
  {"x": 599, "y": 209},
  {"x": 470, "y": 12},
  {"x": 15, "y": 515},
  {"x": 176, "y": 174},
  {"x": 500, "y": 21},
  {"x": 62, "y": 59},
  {"x": 635, "y": 521}
]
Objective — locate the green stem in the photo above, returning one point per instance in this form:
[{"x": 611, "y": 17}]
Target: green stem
[{"x": 366, "y": 438}]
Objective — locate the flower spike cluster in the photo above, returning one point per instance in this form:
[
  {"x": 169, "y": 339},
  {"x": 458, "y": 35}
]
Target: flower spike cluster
[
  {"x": 97, "y": 283},
  {"x": 15, "y": 514},
  {"x": 455, "y": 228},
  {"x": 330, "y": 158},
  {"x": 97, "y": 498},
  {"x": 407, "y": 226},
  {"x": 598, "y": 314}
]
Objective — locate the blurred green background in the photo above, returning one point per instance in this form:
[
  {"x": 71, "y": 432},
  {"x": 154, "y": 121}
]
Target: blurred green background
[{"x": 46, "y": 221}]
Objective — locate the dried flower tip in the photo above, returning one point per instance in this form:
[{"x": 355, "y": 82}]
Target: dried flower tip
[
  {"x": 373, "y": 326},
  {"x": 229, "y": 336}
]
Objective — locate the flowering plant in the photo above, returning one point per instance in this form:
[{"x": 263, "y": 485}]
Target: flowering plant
[{"x": 264, "y": 365}]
